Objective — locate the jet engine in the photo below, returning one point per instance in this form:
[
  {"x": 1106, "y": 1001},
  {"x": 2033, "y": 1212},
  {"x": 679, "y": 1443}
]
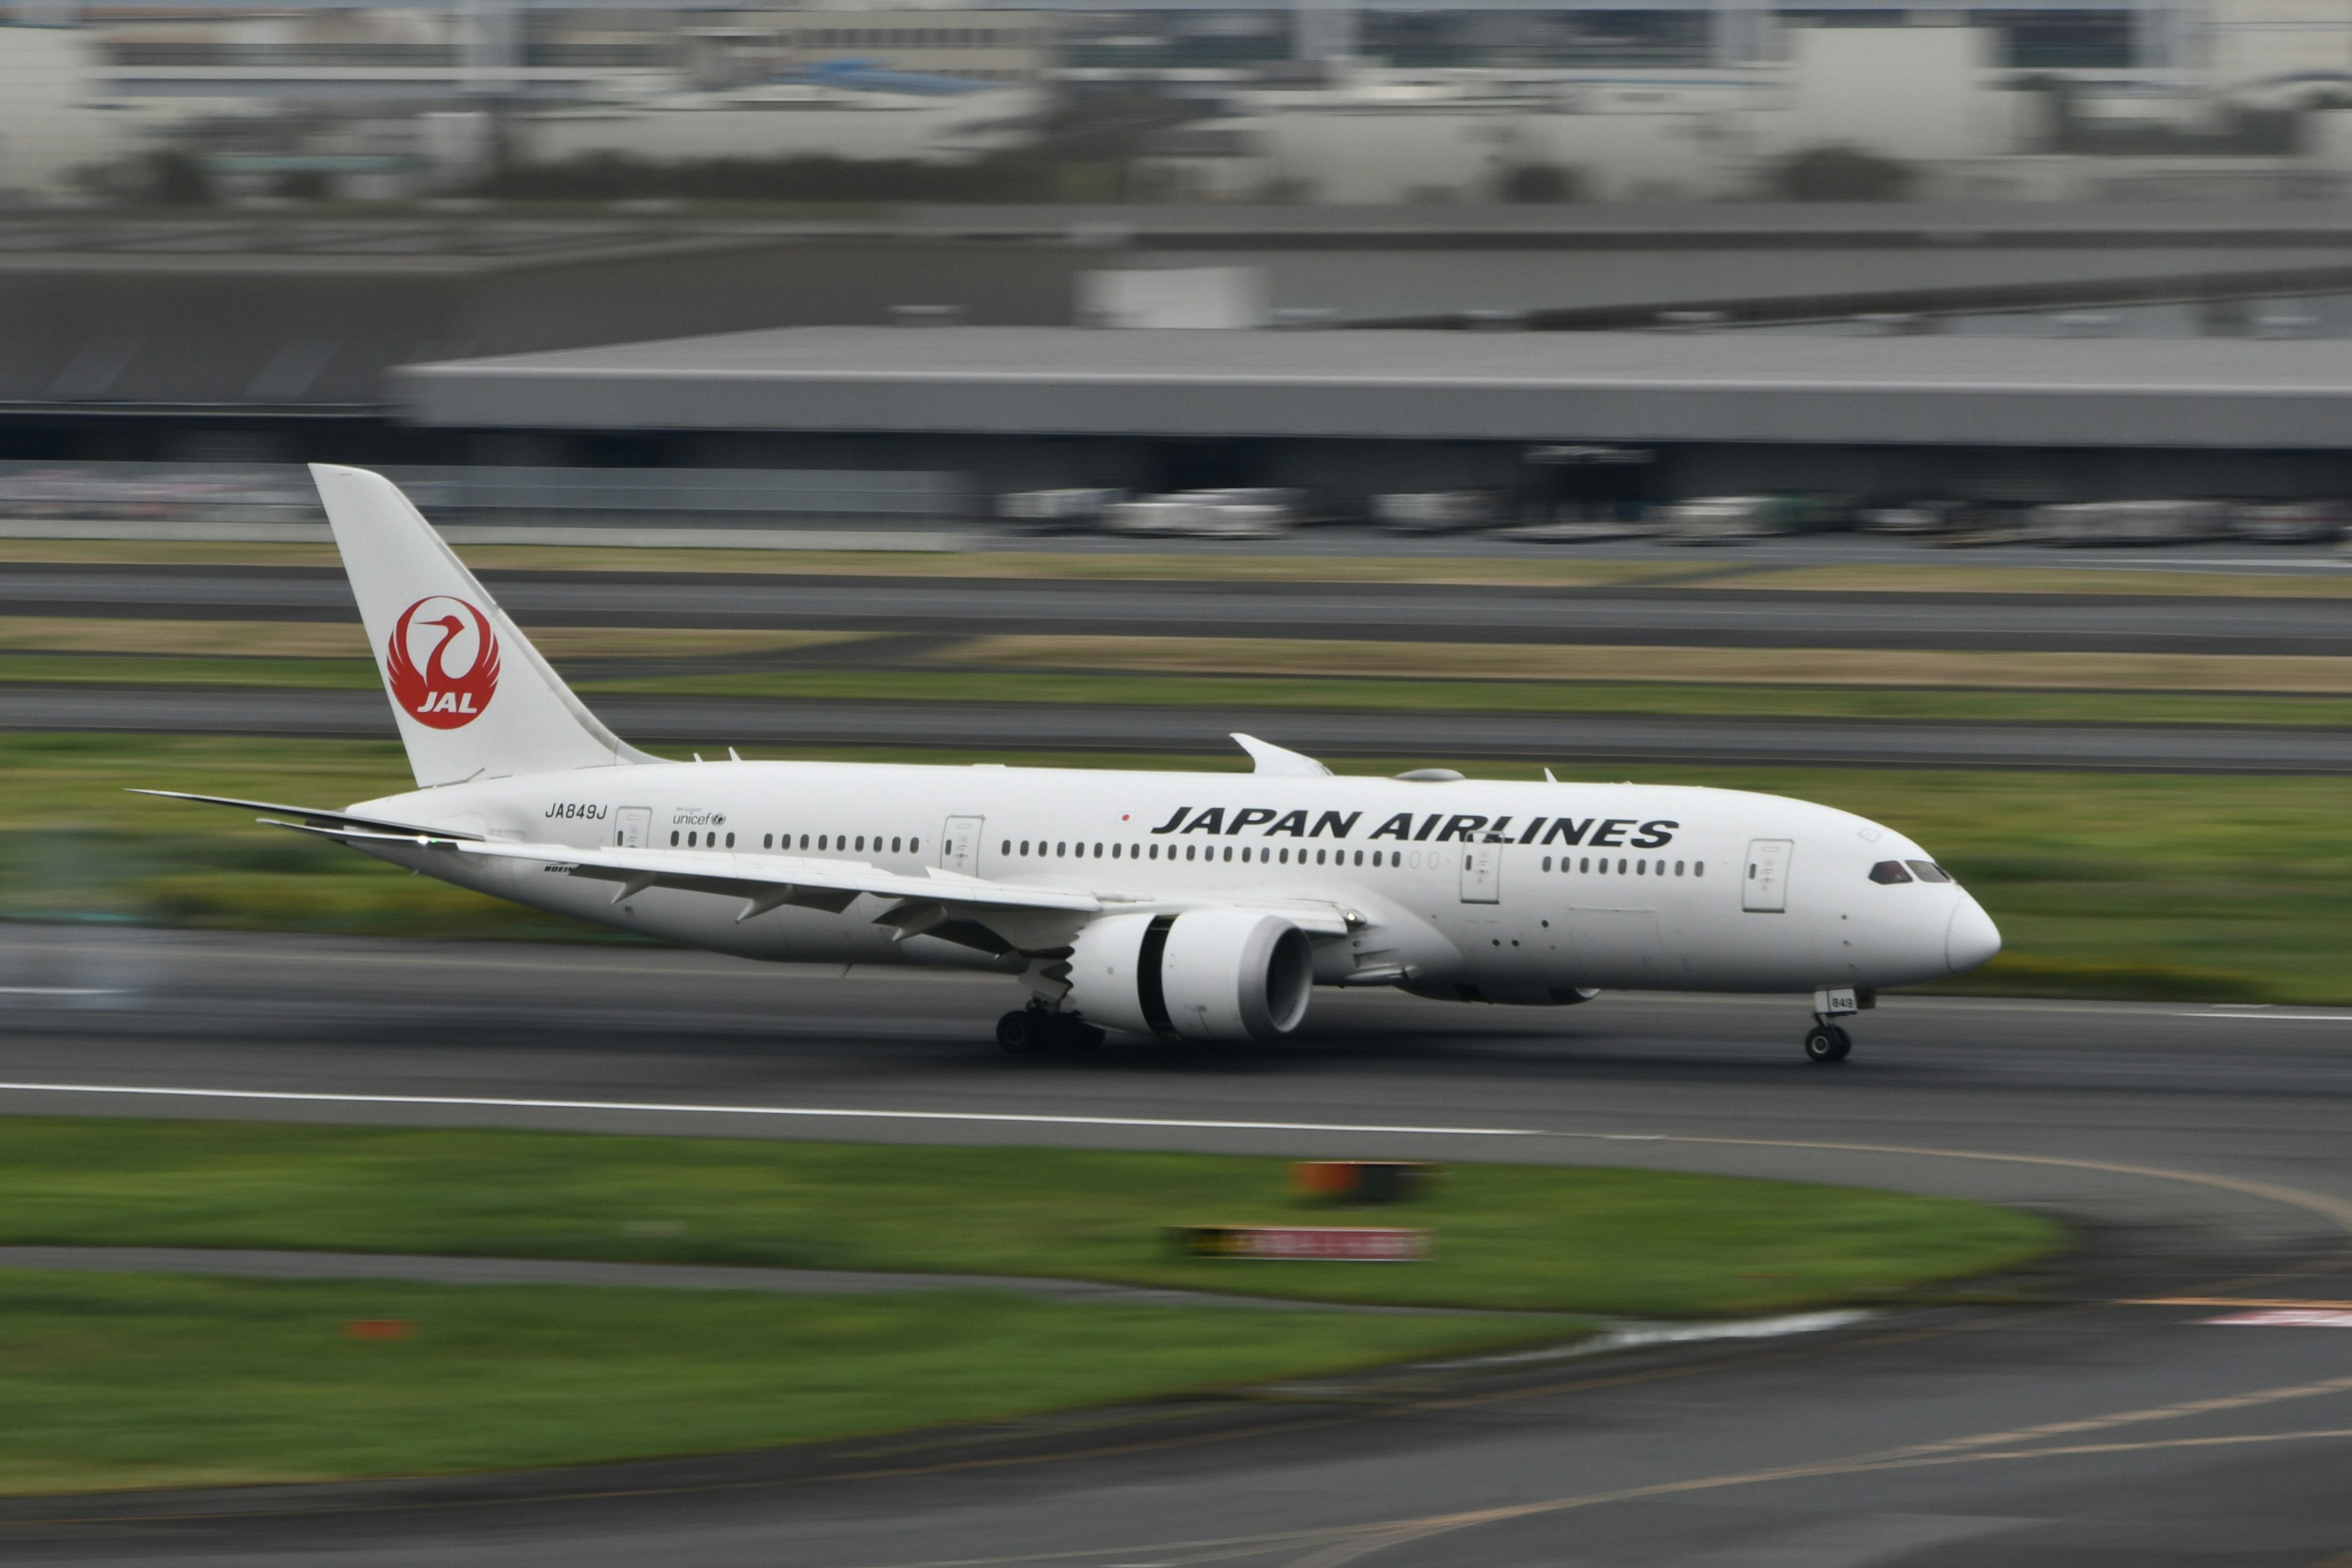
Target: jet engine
[{"x": 1202, "y": 975}]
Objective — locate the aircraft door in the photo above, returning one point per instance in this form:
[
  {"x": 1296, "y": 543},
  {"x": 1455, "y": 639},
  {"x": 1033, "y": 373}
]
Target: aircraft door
[
  {"x": 1482, "y": 873},
  {"x": 959, "y": 845},
  {"x": 1764, "y": 889},
  {"x": 631, "y": 825}
]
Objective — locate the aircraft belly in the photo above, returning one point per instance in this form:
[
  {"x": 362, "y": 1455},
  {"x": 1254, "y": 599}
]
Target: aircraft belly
[
  {"x": 1621, "y": 949},
  {"x": 786, "y": 936}
]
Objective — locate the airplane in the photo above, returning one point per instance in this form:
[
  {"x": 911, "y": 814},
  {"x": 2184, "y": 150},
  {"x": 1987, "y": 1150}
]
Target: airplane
[{"x": 1188, "y": 906}]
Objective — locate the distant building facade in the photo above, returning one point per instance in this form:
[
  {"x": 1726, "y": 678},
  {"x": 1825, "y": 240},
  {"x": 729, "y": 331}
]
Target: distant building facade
[
  {"x": 54, "y": 117},
  {"x": 1006, "y": 46}
]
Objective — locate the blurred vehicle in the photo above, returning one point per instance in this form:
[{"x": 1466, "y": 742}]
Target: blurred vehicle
[
  {"x": 1576, "y": 455},
  {"x": 1206, "y": 514},
  {"x": 2289, "y": 522},
  {"x": 1439, "y": 511},
  {"x": 1737, "y": 520},
  {"x": 1989, "y": 525},
  {"x": 1074, "y": 508},
  {"x": 1920, "y": 517},
  {"x": 154, "y": 492},
  {"x": 44, "y": 492},
  {"x": 1594, "y": 523},
  {"x": 2107, "y": 523}
]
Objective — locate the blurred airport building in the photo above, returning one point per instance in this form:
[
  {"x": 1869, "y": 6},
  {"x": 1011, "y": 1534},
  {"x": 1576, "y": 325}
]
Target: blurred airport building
[
  {"x": 1378, "y": 102},
  {"x": 1422, "y": 251},
  {"x": 1587, "y": 355}
]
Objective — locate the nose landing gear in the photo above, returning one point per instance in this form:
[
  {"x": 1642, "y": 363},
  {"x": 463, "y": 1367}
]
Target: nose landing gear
[{"x": 1825, "y": 1042}]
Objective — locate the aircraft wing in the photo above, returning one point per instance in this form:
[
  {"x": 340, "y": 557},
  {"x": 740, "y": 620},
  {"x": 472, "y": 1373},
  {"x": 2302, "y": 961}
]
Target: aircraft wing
[
  {"x": 995, "y": 917},
  {"x": 764, "y": 881}
]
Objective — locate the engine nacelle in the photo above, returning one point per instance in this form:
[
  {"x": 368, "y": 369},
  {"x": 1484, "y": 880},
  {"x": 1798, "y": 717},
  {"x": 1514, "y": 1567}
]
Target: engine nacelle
[{"x": 1203, "y": 975}]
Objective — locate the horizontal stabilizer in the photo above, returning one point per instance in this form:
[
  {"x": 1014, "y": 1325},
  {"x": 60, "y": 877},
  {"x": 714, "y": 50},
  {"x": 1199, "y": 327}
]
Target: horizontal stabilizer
[{"x": 311, "y": 815}]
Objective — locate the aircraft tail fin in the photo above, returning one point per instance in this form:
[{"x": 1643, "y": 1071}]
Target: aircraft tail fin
[{"x": 473, "y": 699}]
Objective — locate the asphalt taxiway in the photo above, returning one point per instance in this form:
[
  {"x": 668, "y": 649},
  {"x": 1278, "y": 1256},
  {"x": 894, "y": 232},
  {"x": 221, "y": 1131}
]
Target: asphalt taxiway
[
  {"x": 922, "y": 609},
  {"x": 1634, "y": 614},
  {"x": 2094, "y": 1413},
  {"x": 805, "y": 724}
]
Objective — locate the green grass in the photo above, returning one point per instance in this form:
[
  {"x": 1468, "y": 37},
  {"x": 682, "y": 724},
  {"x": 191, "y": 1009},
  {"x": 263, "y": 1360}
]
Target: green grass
[
  {"x": 2105, "y": 884},
  {"x": 128, "y": 1382},
  {"x": 74, "y": 846},
  {"x": 1532, "y": 1238},
  {"x": 150, "y": 1381},
  {"x": 2128, "y": 886}
]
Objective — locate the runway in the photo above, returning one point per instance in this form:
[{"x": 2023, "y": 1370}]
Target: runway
[
  {"x": 1591, "y": 740},
  {"x": 2063, "y": 1422},
  {"x": 1696, "y": 616}
]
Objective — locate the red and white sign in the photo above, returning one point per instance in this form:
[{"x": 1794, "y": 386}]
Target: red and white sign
[
  {"x": 443, "y": 662},
  {"x": 1332, "y": 1244},
  {"x": 2289, "y": 1317}
]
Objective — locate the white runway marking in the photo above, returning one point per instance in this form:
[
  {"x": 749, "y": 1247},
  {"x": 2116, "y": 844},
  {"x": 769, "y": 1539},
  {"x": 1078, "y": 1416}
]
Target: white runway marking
[
  {"x": 2251, "y": 1013},
  {"x": 1640, "y": 1336},
  {"x": 814, "y": 1112},
  {"x": 2285, "y": 1318},
  {"x": 60, "y": 991}
]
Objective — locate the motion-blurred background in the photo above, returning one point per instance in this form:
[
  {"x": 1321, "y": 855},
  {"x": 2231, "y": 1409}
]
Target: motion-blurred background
[
  {"x": 1944, "y": 414},
  {"x": 238, "y": 238},
  {"x": 1086, "y": 383}
]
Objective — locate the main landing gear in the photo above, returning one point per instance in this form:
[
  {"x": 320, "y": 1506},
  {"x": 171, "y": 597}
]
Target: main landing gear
[{"x": 1037, "y": 1031}]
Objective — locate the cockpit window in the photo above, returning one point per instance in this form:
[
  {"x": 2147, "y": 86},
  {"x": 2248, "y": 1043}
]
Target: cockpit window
[
  {"x": 1928, "y": 871},
  {"x": 1889, "y": 872}
]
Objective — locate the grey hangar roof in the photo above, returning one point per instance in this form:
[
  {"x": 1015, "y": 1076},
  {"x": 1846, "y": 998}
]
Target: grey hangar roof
[{"x": 1725, "y": 386}]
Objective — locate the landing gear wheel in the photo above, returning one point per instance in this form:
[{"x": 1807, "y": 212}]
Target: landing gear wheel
[
  {"x": 1022, "y": 1031},
  {"x": 1826, "y": 1043}
]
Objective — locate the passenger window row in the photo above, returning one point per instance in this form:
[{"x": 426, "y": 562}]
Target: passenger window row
[
  {"x": 1063, "y": 849},
  {"x": 831, "y": 843},
  {"x": 1587, "y": 865}
]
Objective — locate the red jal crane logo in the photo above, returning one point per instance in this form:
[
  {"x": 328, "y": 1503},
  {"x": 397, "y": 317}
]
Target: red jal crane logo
[{"x": 452, "y": 686}]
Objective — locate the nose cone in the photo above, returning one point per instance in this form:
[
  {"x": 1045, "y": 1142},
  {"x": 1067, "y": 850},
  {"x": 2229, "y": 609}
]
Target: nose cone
[{"x": 1971, "y": 938}]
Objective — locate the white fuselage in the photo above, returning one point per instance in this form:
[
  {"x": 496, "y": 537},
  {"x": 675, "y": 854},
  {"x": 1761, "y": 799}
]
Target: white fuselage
[{"x": 1483, "y": 891}]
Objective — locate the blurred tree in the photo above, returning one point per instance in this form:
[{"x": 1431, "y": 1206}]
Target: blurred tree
[
  {"x": 1840, "y": 172},
  {"x": 612, "y": 176},
  {"x": 1539, "y": 183},
  {"x": 2240, "y": 130},
  {"x": 1084, "y": 148},
  {"x": 1108, "y": 127},
  {"x": 177, "y": 179}
]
